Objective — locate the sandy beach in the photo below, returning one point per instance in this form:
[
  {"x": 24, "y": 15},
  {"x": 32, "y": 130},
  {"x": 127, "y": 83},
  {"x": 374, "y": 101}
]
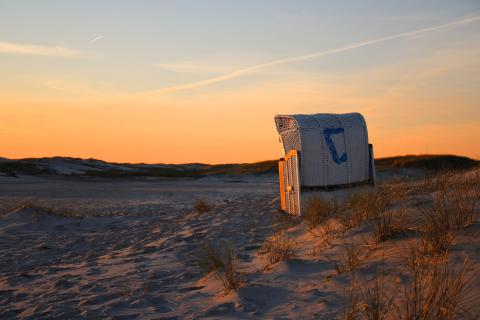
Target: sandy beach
[{"x": 129, "y": 248}]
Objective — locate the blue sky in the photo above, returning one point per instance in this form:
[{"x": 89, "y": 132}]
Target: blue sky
[{"x": 114, "y": 53}]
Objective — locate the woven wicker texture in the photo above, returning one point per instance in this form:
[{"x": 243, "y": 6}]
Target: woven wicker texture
[
  {"x": 333, "y": 148},
  {"x": 292, "y": 184}
]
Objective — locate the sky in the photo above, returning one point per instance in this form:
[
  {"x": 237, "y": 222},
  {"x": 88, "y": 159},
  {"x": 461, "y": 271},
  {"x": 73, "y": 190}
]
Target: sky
[{"x": 200, "y": 81}]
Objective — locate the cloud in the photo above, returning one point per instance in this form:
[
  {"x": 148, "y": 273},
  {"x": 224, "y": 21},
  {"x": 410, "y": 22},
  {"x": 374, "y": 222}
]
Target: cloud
[
  {"x": 39, "y": 50},
  {"x": 248, "y": 70},
  {"x": 189, "y": 67},
  {"x": 97, "y": 38}
]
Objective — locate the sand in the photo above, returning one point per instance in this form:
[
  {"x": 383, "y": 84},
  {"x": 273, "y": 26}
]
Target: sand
[{"x": 127, "y": 249}]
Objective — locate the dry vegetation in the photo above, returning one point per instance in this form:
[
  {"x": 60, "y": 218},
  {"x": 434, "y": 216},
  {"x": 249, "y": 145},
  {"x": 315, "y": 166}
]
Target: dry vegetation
[
  {"x": 349, "y": 260},
  {"x": 201, "y": 206},
  {"x": 365, "y": 205},
  {"x": 453, "y": 208},
  {"x": 220, "y": 259},
  {"x": 431, "y": 290},
  {"x": 38, "y": 206},
  {"x": 375, "y": 299},
  {"x": 432, "y": 287},
  {"x": 317, "y": 209},
  {"x": 435, "y": 289},
  {"x": 278, "y": 247},
  {"x": 428, "y": 213},
  {"x": 387, "y": 224},
  {"x": 432, "y": 211}
]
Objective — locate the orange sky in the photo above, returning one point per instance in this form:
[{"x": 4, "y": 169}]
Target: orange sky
[{"x": 419, "y": 93}]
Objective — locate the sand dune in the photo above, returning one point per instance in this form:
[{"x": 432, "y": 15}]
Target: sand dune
[{"x": 134, "y": 251}]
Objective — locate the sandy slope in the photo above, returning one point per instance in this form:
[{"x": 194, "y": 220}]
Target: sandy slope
[
  {"x": 133, "y": 265},
  {"x": 139, "y": 260}
]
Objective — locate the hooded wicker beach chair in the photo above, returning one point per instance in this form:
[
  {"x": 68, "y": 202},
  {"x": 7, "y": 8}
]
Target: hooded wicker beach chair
[{"x": 322, "y": 152}]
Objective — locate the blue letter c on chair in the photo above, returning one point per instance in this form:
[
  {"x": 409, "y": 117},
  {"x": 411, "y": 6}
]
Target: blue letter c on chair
[{"x": 327, "y": 134}]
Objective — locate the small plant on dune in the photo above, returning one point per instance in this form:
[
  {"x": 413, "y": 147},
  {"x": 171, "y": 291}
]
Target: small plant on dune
[
  {"x": 358, "y": 205},
  {"x": 201, "y": 206},
  {"x": 434, "y": 290},
  {"x": 367, "y": 299},
  {"x": 364, "y": 205},
  {"x": 440, "y": 181},
  {"x": 458, "y": 205},
  {"x": 286, "y": 221},
  {"x": 413, "y": 256},
  {"x": 317, "y": 209},
  {"x": 438, "y": 236},
  {"x": 349, "y": 260},
  {"x": 324, "y": 238},
  {"x": 351, "y": 300},
  {"x": 376, "y": 303},
  {"x": 220, "y": 259},
  {"x": 278, "y": 248},
  {"x": 209, "y": 257},
  {"x": 229, "y": 274},
  {"x": 37, "y": 206},
  {"x": 387, "y": 224},
  {"x": 452, "y": 209}
]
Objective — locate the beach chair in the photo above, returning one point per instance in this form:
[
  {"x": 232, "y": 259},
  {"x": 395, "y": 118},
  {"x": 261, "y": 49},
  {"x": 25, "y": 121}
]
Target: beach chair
[{"x": 322, "y": 152}]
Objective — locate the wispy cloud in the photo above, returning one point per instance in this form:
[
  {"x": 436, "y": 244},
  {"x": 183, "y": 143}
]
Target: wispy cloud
[
  {"x": 248, "y": 70},
  {"x": 189, "y": 66},
  {"x": 39, "y": 50},
  {"x": 97, "y": 38}
]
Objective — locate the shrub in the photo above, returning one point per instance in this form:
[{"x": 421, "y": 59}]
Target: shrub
[
  {"x": 367, "y": 204},
  {"x": 201, "y": 206},
  {"x": 229, "y": 274},
  {"x": 324, "y": 238},
  {"x": 277, "y": 248},
  {"x": 437, "y": 234},
  {"x": 452, "y": 209},
  {"x": 367, "y": 299},
  {"x": 220, "y": 259},
  {"x": 413, "y": 256},
  {"x": 375, "y": 300},
  {"x": 349, "y": 259},
  {"x": 351, "y": 300},
  {"x": 317, "y": 209},
  {"x": 387, "y": 224},
  {"x": 209, "y": 257},
  {"x": 434, "y": 291},
  {"x": 39, "y": 206}
]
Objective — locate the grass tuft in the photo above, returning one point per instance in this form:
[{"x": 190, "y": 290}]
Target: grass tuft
[
  {"x": 388, "y": 224},
  {"x": 278, "y": 248},
  {"x": 434, "y": 291},
  {"x": 317, "y": 209},
  {"x": 365, "y": 205},
  {"x": 201, "y": 206},
  {"x": 349, "y": 260},
  {"x": 220, "y": 259}
]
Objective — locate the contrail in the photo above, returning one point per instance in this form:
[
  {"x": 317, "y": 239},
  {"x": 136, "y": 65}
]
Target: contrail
[
  {"x": 243, "y": 71},
  {"x": 97, "y": 38},
  {"x": 39, "y": 50}
]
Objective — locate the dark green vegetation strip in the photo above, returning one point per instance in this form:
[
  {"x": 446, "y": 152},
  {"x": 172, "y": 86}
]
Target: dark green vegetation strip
[{"x": 198, "y": 170}]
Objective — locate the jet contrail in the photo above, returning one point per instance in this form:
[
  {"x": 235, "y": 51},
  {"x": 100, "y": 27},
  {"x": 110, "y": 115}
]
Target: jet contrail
[
  {"x": 39, "y": 50},
  {"x": 243, "y": 71},
  {"x": 97, "y": 38}
]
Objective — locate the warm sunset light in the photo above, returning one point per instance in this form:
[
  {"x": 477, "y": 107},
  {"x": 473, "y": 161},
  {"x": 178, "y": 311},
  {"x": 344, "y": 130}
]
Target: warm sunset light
[
  {"x": 240, "y": 159},
  {"x": 188, "y": 81}
]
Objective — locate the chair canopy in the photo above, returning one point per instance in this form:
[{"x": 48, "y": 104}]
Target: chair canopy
[{"x": 333, "y": 148}]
